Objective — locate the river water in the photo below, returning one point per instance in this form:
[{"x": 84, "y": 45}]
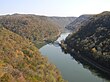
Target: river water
[{"x": 71, "y": 70}]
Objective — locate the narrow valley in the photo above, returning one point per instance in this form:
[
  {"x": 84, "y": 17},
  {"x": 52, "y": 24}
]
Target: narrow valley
[{"x": 72, "y": 67}]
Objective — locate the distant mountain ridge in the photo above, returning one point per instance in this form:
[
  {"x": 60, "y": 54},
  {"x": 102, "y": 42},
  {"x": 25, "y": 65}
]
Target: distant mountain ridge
[
  {"x": 62, "y": 21},
  {"x": 36, "y": 28},
  {"x": 78, "y": 22}
]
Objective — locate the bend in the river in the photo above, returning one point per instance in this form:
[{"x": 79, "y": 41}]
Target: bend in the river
[{"x": 72, "y": 69}]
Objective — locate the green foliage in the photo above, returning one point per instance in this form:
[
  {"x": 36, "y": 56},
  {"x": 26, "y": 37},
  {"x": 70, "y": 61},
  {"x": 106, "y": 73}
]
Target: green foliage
[{"x": 28, "y": 53}]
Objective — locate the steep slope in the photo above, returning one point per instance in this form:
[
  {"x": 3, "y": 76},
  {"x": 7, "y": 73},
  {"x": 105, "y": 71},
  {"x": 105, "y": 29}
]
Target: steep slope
[
  {"x": 62, "y": 21},
  {"x": 93, "y": 40},
  {"x": 38, "y": 29},
  {"x": 20, "y": 61},
  {"x": 78, "y": 22}
]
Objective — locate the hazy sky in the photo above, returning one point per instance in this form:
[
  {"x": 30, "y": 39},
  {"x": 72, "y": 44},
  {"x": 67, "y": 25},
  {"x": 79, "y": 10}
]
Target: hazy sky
[{"x": 54, "y": 7}]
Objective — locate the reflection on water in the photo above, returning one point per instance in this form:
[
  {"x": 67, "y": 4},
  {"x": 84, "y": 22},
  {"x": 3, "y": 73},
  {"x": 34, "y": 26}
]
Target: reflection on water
[
  {"x": 72, "y": 68},
  {"x": 91, "y": 68}
]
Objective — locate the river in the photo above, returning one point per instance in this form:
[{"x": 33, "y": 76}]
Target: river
[{"x": 71, "y": 70}]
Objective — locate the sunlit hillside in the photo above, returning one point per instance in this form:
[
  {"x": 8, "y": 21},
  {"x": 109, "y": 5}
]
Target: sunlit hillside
[
  {"x": 37, "y": 29},
  {"x": 20, "y": 61}
]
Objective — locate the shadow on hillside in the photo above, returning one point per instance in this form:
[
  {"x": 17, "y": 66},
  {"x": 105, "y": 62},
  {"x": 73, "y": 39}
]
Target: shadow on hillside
[{"x": 95, "y": 71}]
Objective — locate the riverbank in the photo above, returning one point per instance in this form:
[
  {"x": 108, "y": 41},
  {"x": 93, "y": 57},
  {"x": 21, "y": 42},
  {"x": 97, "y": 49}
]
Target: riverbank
[
  {"x": 67, "y": 49},
  {"x": 69, "y": 66},
  {"x": 48, "y": 40}
]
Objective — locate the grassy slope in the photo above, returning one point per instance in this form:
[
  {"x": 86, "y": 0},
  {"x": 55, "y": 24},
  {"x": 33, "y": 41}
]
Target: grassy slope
[{"x": 20, "y": 61}]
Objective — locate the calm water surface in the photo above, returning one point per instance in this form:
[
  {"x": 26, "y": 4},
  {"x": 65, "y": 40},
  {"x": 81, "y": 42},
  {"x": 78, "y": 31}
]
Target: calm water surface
[{"x": 70, "y": 69}]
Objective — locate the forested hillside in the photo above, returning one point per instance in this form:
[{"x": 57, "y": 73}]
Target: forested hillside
[
  {"x": 37, "y": 29},
  {"x": 78, "y": 22},
  {"x": 62, "y": 21},
  {"x": 93, "y": 40},
  {"x": 20, "y": 61}
]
